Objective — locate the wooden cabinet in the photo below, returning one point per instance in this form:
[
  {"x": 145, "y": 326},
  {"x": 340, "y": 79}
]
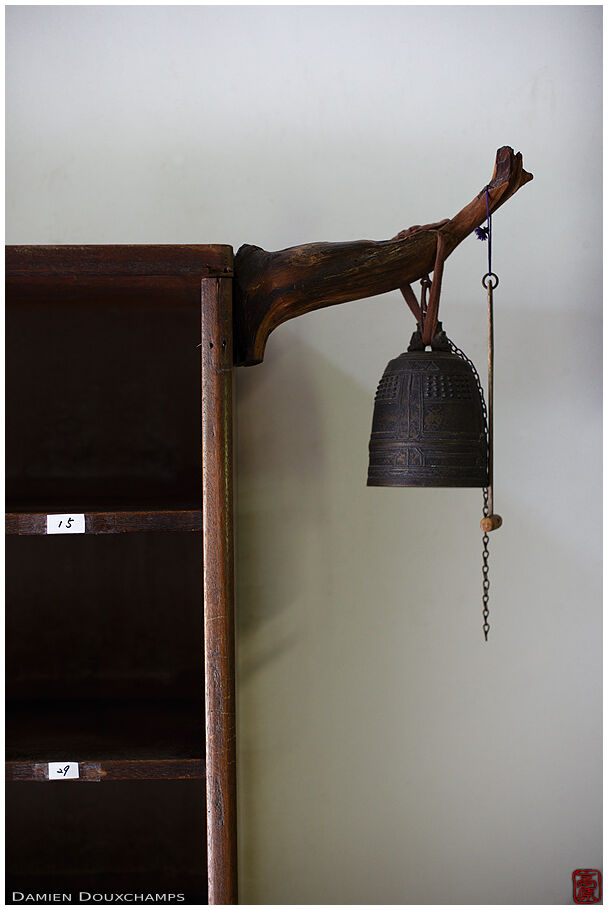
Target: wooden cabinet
[{"x": 120, "y": 636}]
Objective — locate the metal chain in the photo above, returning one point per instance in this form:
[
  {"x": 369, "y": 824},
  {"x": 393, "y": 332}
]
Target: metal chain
[
  {"x": 485, "y": 556},
  {"x": 485, "y": 553},
  {"x": 456, "y": 350}
]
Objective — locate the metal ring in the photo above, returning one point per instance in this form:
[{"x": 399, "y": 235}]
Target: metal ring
[{"x": 490, "y": 275}]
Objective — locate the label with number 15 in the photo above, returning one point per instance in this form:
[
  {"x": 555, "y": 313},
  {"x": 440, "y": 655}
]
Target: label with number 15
[{"x": 70, "y": 523}]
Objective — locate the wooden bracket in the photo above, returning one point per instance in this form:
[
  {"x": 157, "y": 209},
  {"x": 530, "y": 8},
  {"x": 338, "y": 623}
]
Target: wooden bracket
[{"x": 270, "y": 288}]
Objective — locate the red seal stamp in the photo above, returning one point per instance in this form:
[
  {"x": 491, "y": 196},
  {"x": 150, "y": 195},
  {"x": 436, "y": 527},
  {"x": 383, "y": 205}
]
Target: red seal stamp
[{"x": 587, "y": 886}]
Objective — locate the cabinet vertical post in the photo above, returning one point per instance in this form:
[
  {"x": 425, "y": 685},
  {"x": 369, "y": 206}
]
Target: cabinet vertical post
[{"x": 218, "y": 588}]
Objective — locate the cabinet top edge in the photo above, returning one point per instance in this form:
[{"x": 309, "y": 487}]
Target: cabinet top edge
[{"x": 123, "y": 259}]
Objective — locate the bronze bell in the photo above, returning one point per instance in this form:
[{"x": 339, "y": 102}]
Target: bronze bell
[{"x": 429, "y": 427}]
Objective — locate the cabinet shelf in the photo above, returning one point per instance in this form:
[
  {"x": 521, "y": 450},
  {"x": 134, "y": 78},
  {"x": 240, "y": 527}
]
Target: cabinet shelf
[
  {"x": 125, "y": 836},
  {"x": 119, "y": 522},
  {"x": 120, "y": 642},
  {"x": 111, "y": 739}
]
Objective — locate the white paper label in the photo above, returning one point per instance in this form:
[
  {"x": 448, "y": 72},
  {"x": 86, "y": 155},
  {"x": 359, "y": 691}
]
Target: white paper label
[
  {"x": 63, "y": 770},
  {"x": 70, "y": 523}
]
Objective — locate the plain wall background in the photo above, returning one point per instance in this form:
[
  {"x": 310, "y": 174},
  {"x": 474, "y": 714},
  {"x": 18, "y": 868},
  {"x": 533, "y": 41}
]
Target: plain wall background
[{"x": 386, "y": 754}]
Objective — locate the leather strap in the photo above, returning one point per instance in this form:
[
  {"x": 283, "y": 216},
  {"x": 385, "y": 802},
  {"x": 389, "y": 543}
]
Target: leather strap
[
  {"x": 429, "y": 322},
  {"x": 432, "y": 313},
  {"x": 410, "y": 299}
]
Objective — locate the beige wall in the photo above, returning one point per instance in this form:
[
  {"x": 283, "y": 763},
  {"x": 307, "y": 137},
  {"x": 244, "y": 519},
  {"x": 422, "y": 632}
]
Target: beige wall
[{"x": 386, "y": 754}]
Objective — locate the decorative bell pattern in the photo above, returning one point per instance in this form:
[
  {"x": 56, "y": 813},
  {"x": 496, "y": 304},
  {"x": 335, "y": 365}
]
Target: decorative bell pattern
[{"x": 429, "y": 427}]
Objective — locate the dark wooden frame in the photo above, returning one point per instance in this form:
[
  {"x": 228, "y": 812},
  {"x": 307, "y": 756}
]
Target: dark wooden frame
[
  {"x": 218, "y": 588},
  {"x": 207, "y": 271}
]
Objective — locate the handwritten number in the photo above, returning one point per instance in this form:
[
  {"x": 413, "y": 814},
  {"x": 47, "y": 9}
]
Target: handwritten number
[{"x": 65, "y": 523}]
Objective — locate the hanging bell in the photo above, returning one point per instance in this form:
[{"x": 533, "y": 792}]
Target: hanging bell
[{"x": 429, "y": 427}]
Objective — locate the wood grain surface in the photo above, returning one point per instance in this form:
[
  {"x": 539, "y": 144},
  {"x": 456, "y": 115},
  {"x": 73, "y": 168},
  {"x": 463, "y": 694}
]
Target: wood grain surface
[
  {"x": 111, "y": 738},
  {"x": 107, "y": 770},
  {"x": 218, "y": 590},
  {"x": 27, "y": 523},
  {"x": 272, "y": 287},
  {"x": 112, "y": 261}
]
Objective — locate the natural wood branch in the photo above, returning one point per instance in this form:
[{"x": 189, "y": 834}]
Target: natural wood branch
[{"x": 270, "y": 288}]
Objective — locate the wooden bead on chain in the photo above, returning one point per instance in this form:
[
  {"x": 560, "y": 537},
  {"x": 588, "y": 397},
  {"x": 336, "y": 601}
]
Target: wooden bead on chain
[{"x": 490, "y": 523}]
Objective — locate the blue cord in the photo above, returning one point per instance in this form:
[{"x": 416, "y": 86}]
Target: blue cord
[{"x": 485, "y": 233}]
